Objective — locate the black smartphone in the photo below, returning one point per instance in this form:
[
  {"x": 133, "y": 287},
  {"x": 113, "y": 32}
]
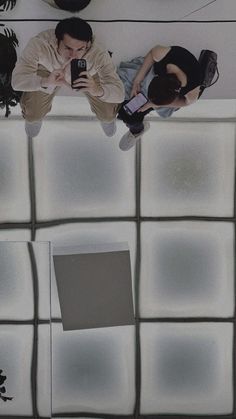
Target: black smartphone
[
  {"x": 77, "y": 66},
  {"x": 135, "y": 103}
]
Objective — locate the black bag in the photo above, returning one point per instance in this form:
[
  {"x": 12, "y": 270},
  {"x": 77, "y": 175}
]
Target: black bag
[
  {"x": 8, "y": 57},
  {"x": 7, "y": 4},
  {"x": 209, "y": 68}
]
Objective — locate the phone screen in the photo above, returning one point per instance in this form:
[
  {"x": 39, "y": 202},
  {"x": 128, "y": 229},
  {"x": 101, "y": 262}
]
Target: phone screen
[{"x": 135, "y": 103}]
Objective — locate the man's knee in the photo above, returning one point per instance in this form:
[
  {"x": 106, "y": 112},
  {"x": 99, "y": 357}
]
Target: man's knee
[
  {"x": 32, "y": 118},
  {"x": 32, "y": 109},
  {"x": 107, "y": 112},
  {"x": 32, "y": 115},
  {"x": 29, "y": 114}
]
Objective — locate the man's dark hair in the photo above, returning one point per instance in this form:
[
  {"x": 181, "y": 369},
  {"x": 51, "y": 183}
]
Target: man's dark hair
[
  {"x": 164, "y": 90},
  {"x": 72, "y": 5},
  {"x": 75, "y": 27}
]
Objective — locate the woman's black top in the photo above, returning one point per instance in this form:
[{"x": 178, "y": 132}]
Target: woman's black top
[{"x": 186, "y": 61}]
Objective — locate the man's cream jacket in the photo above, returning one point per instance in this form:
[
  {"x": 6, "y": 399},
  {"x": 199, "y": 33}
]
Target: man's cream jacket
[{"x": 42, "y": 52}]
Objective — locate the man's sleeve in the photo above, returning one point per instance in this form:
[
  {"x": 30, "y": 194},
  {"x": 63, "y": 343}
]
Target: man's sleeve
[
  {"x": 24, "y": 76},
  {"x": 109, "y": 80}
]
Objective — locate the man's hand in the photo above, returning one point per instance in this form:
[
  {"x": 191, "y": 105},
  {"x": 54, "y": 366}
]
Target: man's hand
[
  {"x": 55, "y": 78},
  {"x": 135, "y": 89},
  {"x": 86, "y": 83}
]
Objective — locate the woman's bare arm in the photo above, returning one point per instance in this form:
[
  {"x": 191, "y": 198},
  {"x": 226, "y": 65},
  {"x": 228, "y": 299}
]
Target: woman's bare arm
[
  {"x": 192, "y": 96},
  {"x": 154, "y": 55}
]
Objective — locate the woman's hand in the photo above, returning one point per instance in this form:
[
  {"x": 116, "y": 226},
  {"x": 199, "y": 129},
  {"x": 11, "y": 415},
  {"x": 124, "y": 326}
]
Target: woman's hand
[
  {"x": 135, "y": 89},
  {"x": 147, "y": 105}
]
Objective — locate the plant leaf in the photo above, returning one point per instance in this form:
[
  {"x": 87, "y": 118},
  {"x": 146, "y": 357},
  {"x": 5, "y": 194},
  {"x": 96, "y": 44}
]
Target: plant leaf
[
  {"x": 5, "y": 398},
  {"x": 2, "y": 379}
]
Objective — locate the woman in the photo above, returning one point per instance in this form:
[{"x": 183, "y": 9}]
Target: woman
[{"x": 169, "y": 77}]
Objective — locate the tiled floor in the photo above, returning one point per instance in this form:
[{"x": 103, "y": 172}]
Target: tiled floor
[{"x": 173, "y": 200}]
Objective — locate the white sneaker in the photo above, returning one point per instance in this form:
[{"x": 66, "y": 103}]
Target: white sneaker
[
  {"x": 109, "y": 128},
  {"x": 129, "y": 140},
  {"x": 32, "y": 128}
]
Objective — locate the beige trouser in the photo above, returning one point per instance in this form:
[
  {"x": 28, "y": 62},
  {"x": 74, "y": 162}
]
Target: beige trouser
[{"x": 36, "y": 105}]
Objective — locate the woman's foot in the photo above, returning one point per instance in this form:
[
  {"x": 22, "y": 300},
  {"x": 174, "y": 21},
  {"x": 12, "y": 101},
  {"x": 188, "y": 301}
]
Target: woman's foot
[{"x": 129, "y": 140}]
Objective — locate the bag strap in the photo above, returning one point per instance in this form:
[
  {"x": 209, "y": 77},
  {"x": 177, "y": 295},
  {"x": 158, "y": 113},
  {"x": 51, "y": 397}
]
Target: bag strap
[
  {"x": 217, "y": 76},
  {"x": 203, "y": 86}
]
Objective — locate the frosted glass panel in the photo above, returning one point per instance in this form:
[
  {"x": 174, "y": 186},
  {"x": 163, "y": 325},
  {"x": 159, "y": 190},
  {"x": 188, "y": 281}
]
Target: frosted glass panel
[
  {"x": 16, "y": 286},
  {"x": 187, "y": 368},
  {"x": 43, "y": 260},
  {"x": 25, "y": 347},
  {"x": 93, "y": 370},
  {"x": 187, "y": 269},
  {"x": 80, "y": 172},
  {"x": 44, "y": 371},
  {"x": 14, "y": 185},
  {"x": 17, "y": 283},
  {"x": 15, "y": 235},
  {"x": 188, "y": 169}
]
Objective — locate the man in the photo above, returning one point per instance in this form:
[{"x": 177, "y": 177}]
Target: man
[
  {"x": 69, "y": 5},
  {"x": 44, "y": 67},
  {"x": 170, "y": 77}
]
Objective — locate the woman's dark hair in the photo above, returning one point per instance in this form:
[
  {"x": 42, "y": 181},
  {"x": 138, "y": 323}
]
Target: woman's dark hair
[
  {"x": 72, "y": 5},
  {"x": 75, "y": 27},
  {"x": 164, "y": 90}
]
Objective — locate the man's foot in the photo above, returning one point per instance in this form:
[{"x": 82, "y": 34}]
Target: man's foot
[
  {"x": 129, "y": 140},
  {"x": 32, "y": 128},
  {"x": 109, "y": 128}
]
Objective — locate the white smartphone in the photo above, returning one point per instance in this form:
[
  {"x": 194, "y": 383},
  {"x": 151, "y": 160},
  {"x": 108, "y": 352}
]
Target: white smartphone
[{"x": 135, "y": 103}]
